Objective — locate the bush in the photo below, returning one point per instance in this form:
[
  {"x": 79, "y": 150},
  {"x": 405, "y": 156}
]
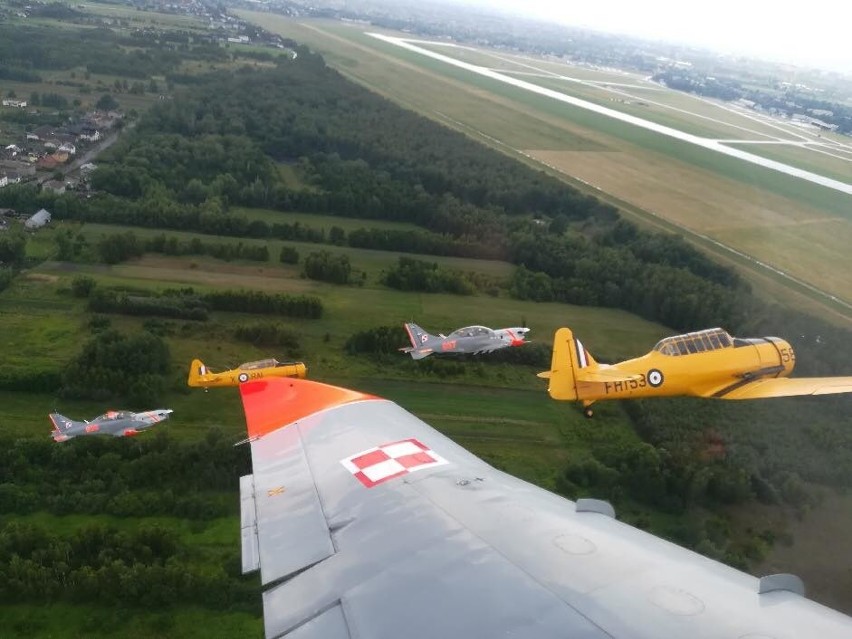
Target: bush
[{"x": 82, "y": 286}]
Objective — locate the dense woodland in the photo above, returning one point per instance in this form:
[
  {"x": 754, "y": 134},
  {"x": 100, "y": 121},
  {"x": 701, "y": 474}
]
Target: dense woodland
[{"x": 152, "y": 565}]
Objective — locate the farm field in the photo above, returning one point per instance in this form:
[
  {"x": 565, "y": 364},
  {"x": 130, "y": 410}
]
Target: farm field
[{"x": 701, "y": 191}]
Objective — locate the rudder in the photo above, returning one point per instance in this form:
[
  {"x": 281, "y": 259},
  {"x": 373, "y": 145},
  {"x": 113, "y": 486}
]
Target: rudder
[
  {"x": 570, "y": 357},
  {"x": 416, "y": 335},
  {"x": 197, "y": 370}
]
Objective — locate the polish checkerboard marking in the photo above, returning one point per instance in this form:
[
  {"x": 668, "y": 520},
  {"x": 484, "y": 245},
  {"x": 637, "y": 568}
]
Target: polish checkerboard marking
[{"x": 377, "y": 465}]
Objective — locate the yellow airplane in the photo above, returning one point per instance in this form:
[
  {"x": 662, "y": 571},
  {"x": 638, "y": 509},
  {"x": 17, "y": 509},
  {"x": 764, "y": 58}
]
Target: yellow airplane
[
  {"x": 707, "y": 363},
  {"x": 200, "y": 375}
]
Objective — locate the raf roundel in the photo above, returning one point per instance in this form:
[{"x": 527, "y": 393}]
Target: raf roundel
[
  {"x": 655, "y": 377},
  {"x": 243, "y": 377}
]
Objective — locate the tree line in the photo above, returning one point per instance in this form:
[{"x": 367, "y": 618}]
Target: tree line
[
  {"x": 185, "y": 303},
  {"x": 118, "y": 247}
]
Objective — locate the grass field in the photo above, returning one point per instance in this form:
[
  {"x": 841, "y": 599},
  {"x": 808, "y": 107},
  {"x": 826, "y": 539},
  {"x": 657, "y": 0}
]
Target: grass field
[
  {"x": 370, "y": 261},
  {"x": 831, "y": 162},
  {"x": 700, "y": 190}
]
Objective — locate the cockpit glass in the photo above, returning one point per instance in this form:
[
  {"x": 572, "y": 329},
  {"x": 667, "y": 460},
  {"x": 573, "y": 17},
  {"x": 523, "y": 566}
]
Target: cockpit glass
[{"x": 697, "y": 342}]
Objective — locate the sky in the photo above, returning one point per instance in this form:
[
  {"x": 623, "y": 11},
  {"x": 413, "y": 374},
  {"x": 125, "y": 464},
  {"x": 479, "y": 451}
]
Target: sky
[{"x": 801, "y": 33}]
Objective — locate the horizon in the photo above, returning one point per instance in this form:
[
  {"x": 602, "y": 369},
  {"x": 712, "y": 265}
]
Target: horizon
[{"x": 756, "y": 28}]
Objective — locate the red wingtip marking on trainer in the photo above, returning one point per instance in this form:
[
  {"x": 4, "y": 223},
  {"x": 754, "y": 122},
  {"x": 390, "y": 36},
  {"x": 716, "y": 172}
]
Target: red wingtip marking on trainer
[{"x": 272, "y": 403}]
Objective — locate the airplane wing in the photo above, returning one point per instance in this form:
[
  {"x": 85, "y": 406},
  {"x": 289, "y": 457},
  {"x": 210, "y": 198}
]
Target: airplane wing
[
  {"x": 365, "y": 522},
  {"x": 786, "y": 386}
]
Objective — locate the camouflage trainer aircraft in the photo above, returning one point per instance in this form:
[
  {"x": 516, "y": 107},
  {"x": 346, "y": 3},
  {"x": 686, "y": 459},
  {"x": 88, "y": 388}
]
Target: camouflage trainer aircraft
[
  {"x": 200, "y": 375},
  {"x": 118, "y": 423},
  {"x": 708, "y": 363},
  {"x": 470, "y": 339}
]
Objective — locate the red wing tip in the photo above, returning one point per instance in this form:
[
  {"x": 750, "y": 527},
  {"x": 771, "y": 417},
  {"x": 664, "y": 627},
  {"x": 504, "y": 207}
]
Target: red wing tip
[{"x": 274, "y": 402}]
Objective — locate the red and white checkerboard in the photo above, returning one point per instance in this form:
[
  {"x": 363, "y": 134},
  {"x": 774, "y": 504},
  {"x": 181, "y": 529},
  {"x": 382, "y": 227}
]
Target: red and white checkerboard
[{"x": 376, "y": 465}]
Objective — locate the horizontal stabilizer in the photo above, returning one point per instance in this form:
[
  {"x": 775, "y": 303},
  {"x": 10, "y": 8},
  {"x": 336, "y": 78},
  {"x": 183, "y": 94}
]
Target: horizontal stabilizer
[{"x": 602, "y": 374}]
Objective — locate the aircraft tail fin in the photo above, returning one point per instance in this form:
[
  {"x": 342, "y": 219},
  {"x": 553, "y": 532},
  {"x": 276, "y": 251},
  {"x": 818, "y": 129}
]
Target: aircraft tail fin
[
  {"x": 417, "y": 335},
  {"x": 197, "y": 372},
  {"x": 60, "y": 425},
  {"x": 571, "y": 363}
]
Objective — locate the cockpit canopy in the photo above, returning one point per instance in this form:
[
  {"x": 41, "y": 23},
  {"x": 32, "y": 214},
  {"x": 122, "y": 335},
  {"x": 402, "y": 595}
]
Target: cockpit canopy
[
  {"x": 697, "y": 342},
  {"x": 112, "y": 415},
  {"x": 471, "y": 331},
  {"x": 261, "y": 363}
]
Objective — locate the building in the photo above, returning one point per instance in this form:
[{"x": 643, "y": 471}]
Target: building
[
  {"x": 57, "y": 186},
  {"x": 19, "y": 104},
  {"x": 39, "y": 219}
]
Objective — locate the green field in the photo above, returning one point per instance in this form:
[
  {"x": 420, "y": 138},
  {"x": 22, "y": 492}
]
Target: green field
[
  {"x": 370, "y": 261},
  {"x": 663, "y": 169},
  {"x": 806, "y": 158}
]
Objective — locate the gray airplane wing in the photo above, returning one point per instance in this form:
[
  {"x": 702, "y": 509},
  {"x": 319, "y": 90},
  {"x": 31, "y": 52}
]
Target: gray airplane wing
[{"x": 367, "y": 523}]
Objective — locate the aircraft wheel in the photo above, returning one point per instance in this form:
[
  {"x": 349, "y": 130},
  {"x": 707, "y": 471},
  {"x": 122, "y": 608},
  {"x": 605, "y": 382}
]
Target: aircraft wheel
[{"x": 589, "y": 413}]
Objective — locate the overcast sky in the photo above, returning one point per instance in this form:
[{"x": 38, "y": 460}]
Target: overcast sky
[{"x": 816, "y": 34}]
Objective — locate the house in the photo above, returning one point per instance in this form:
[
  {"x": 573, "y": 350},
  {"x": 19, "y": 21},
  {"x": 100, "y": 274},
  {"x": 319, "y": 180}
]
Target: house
[
  {"x": 69, "y": 148},
  {"x": 88, "y": 167},
  {"x": 4, "y": 224},
  {"x": 19, "y": 104},
  {"x": 39, "y": 219},
  {"x": 90, "y": 134},
  {"x": 57, "y": 186},
  {"x": 48, "y": 163},
  {"x": 43, "y": 132},
  {"x": 3, "y": 180},
  {"x": 13, "y": 177},
  {"x": 7, "y": 213}
]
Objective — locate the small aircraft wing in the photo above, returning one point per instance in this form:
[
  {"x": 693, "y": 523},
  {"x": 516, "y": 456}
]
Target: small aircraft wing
[
  {"x": 366, "y": 522},
  {"x": 786, "y": 386}
]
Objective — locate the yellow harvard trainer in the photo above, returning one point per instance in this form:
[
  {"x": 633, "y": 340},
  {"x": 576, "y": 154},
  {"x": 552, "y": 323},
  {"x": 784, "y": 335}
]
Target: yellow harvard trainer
[
  {"x": 707, "y": 363},
  {"x": 200, "y": 375}
]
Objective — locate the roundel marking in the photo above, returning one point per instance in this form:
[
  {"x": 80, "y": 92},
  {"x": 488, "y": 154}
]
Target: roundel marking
[
  {"x": 243, "y": 377},
  {"x": 655, "y": 377}
]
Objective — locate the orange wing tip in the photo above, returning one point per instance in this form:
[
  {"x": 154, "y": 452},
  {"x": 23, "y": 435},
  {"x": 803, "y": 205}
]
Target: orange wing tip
[{"x": 272, "y": 403}]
